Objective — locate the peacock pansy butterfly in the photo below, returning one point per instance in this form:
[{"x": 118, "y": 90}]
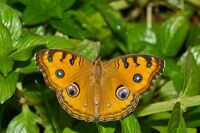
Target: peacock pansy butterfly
[{"x": 96, "y": 91}]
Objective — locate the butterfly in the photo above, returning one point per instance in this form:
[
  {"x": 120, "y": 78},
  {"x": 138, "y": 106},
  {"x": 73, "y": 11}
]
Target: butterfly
[{"x": 95, "y": 91}]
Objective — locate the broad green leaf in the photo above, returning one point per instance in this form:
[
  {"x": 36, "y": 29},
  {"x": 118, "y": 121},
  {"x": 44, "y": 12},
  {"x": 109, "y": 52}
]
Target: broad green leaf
[
  {"x": 27, "y": 67},
  {"x": 29, "y": 41},
  {"x": 139, "y": 36},
  {"x": 108, "y": 127},
  {"x": 196, "y": 54},
  {"x": 108, "y": 47},
  {"x": 59, "y": 42},
  {"x": 97, "y": 22},
  {"x": 193, "y": 35},
  {"x": 172, "y": 35},
  {"x": 43, "y": 10},
  {"x": 192, "y": 118},
  {"x": 178, "y": 77},
  {"x": 174, "y": 119},
  {"x": 170, "y": 67},
  {"x": 151, "y": 50},
  {"x": 6, "y": 65},
  {"x": 116, "y": 24},
  {"x": 167, "y": 105},
  {"x": 176, "y": 122},
  {"x": 7, "y": 86},
  {"x": 3, "y": 1},
  {"x": 158, "y": 121},
  {"x": 25, "y": 122},
  {"x": 182, "y": 126},
  {"x": 168, "y": 91},
  {"x": 175, "y": 72},
  {"x": 191, "y": 130},
  {"x": 69, "y": 130},
  {"x": 87, "y": 48},
  {"x": 74, "y": 24},
  {"x": 25, "y": 45},
  {"x": 157, "y": 117},
  {"x": 10, "y": 19},
  {"x": 160, "y": 129},
  {"x": 130, "y": 124},
  {"x": 191, "y": 76},
  {"x": 5, "y": 41}
]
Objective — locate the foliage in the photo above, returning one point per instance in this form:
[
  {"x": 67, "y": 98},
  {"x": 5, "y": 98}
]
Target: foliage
[{"x": 169, "y": 29}]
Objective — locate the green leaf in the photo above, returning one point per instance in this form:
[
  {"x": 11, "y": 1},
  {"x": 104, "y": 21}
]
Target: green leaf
[
  {"x": 59, "y": 42},
  {"x": 27, "y": 67},
  {"x": 29, "y": 41},
  {"x": 116, "y": 24},
  {"x": 25, "y": 45},
  {"x": 24, "y": 122},
  {"x": 10, "y": 19},
  {"x": 191, "y": 130},
  {"x": 45, "y": 119},
  {"x": 182, "y": 126},
  {"x": 7, "y": 86},
  {"x": 44, "y": 9},
  {"x": 69, "y": 130},
  {"x": 193, "y": 35},
  {"x": 5, "y": 41},
  {"x": 108, "y": 127},
  {"x": 53, "y": 117},
  {"x": 130, "y": 124},
  {"x": 6, "y": 65},
  {"x": 87, "y": 48},
  {"x": 138, "y": 36},
  {"x": 191, "y": 76},
  {"x": 73, "y": 24},
  {"x": 171, "y": 35},
  {"x": 176, "y": 122},
  {"x": 167, "y": 105},
  {"x": 160, "y": 129},
  {"x": 158, "y": 121},
  {"x": 168, "y": 91}
]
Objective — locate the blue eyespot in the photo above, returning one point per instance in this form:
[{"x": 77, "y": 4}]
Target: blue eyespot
[
  {"x": 149, "y": 64},
  {"x": 137, "y": 78},
  {"x": 122, "y": 93},
  {"x": 60, "y": 73},
  {"x": 73, "y": 90}
]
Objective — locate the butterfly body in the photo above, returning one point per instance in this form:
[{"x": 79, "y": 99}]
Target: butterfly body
[{"x": 96, "y": 91}]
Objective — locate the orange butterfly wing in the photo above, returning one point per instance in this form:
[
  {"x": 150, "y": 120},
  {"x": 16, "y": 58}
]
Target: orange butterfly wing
[
  {"x": 98, "y": 92},
  {"x": 63, "y": 71},
  {"x": 130, "y": 74}
]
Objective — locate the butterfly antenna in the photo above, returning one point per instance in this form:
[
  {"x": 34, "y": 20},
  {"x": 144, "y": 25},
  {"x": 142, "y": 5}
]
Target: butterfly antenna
[{"x": 98, "y": 44}]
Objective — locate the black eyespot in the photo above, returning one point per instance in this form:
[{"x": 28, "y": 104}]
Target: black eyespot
[
  {"x": 149, "y": 64},
  {"x": 50, "y": 59},
  {"x": 60, "y": 73},
  {"x": 122, "y": 93},
  {"x": 137, "y": 78},
  {"x": 73, "y": 90}
]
